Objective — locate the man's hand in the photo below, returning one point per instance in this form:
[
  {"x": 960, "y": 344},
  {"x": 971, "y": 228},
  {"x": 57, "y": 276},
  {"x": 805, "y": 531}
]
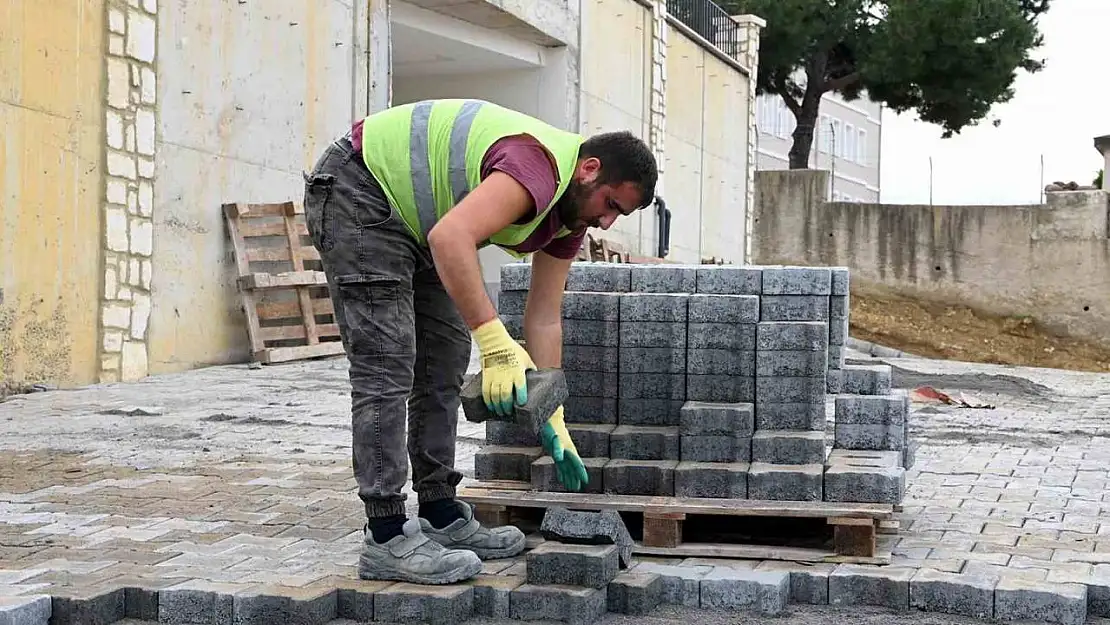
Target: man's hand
[
  {"x": 504, "y": 362},
  {"x": 556, "y": 442}
]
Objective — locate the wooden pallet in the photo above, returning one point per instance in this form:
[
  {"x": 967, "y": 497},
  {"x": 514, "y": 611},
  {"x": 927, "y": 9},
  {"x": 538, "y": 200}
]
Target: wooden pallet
[
  {"x": 281, "y": 283},
  {"x": 738, "y": 528}
]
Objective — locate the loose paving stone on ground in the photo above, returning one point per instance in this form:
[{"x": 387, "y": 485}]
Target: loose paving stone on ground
[{"x": 225, "y": 493}]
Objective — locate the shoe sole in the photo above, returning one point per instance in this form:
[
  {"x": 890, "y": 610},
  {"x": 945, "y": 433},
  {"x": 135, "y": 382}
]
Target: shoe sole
[{"x": 450, "y": 577}]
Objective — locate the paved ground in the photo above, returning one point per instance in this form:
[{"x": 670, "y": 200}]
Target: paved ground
[{"x": 241, "y": 476}]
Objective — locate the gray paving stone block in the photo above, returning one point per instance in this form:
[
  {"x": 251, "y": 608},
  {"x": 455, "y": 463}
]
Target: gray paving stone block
[
  {"x": 555, "y": 563},
  {"x": 794, "y": 308},
  {"x": 654, "y": 307},
  {"x": 591, "y": 358},
  {"x": 640, "y": 477},
  {"x": 839, "y": 307},
  {"x": 652, "y": 360},
  {"x": 788, "y": 446},
  {"x": 581, "y": 409},
  {"x": 509, "y": 434},
  {"x": 720, "y": 388},
  {"x": 953, "y": 593},
  {"x": 592, "y": 384},
  {"x": 435, "y": 605},
  {"x": 547, "y": 390},
  {"x": 766, "y": 592},
  {"x": 76, "y": 605},
  {"x": 909, "y": 454},
  {"x": 836, "y": 356},
  {"x": 774, "y": 415},
  {"x": 797, "y": 281},
  {"x": 730, "y": 280},
  {"x": 511, "y": 302},
  {"x": 720, "y": 362},
  {"x": 591, "y": 439},
  {"x": 586, "y": 306},
  {"x": 723, "y": 309},
  {"x": 791, "y": 363},
  {"x": 722, "y": 480},
  {"x": 874, "y": 437},
  {"x": 738, "y": 336},
  {"x": 599, "y": 277},
  {"x": 792, "y": 336},
  {"x": 496, "y": 462},
  {"x": 516, "y": 277},
  {"x": 635, "y": 593},
  {"x": 681, "y": 585},
  {"x": 840, "y": 280},
  {"x": 25, "y": 610},
  {"x": 790, "y": 389},
  {"x": 834, "y": 381},
  {"x": 855, "y": 484},
  {"x": 266, "y": 605},
  {"x": 1021, "y": 599},
  {"x": 514, "y": 325},
  {"x": 652, "y": 386},
  {"x": 866, "y": 379},
  {"x": 545, "y": 478},
  {"x": 809, "y": 582},
  {"x": 887, "y": 409},
  {"x": 196, "y": 601},
  {"x": 141, "y": 598},
  {"x": 865, "y": 458},
  {"x": 664, "y": 278},
  {"x": 569, "y": 604},
  {"x": 493, "y": 594},
  {"x": 838, "y": 331},
  {"x": 717, "y": 419},
  {"x": 584, "y": 527},
  {"x": 357, "y": 601},
  {"x": 716, "y": 448},
  {"x": 640, "y": 442},
  {"x": 1098, "y": 592},
  {"x": 786, "y": 482},
  {"x": 886, "y": 586},
  {"x": 671, "y": 334},
  {"x": 661, "y": 412},
  {"x": 591, "y": 333}
]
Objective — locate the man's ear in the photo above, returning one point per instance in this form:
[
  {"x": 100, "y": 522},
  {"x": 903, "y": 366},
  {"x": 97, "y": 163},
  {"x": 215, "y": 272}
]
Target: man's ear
[{"x": 589, "y": 169}]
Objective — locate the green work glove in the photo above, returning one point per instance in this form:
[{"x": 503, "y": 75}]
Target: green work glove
[
  {"x": 556, "y": 442},
  {"x": 504, "y": 362}
]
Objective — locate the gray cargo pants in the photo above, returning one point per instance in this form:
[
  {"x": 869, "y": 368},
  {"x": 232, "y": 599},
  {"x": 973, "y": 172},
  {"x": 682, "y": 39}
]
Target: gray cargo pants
[{"x": 407, "y": 344}]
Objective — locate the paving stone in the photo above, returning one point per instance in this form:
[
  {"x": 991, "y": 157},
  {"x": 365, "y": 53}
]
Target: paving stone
[
  {"x": 544, "y": 477},
  {"x": 670, "y": 334},
  {"x": 1098, "y": 591},
  {"x": 654, "y": 307},
  {"x": 715, "y": 448},
  {"x": 730, "y": 280},
  {"x": 591, "y": 358},
  {"x": 953, "y": 593},
  {"x": 809, "y": 582},
  {"x": 652, "y": 360},
  {"x": 720, "y": 362},
  {"x": 516, "y": 277},
  {"x": 637, "y": 442},
  {"x": 773, "y": 415},
  {"x": 794, "y": 308},
  {"x": 885, "y": 586},
  {"x": 681, "y": 585},
  {"x": 264, "y": 605},
  {"x": 839, "y": 306},
  {"x": 792, "y": 280},
  {"x": 640, "y": 477},
  {"x": 853, "y": 484},
  {"x": 664, "y": 278},
  {"x": 864, "y": 458},
  {"x": 721, "y": 388},
  {"x": 717, "y": 419},
  {"x": 732, "y": 588},
  {"x": 660, "y": 412},
  {"x": 652, "y": 386},
  {"x": 836, "y": 356},
  {"x": 1019, "y": 599},
  {"x": 889, "y": 409},
  {"x": 599, "y": 277},
  {"x": 579, "y": 305},
  {"x": 589, "y": 528},
  {"x": 568, "y": 604},
  {"x": 834, "y": 381},
  {"x": 435, "y": 605},
  {"x": 723, "y": 480},
  {"x": 198, "y": 601},
  {"x": 723, "y": 309},
  {"x": 838, "y": 331},
  {"x": 495, "y": 462},
  {"x": 354, "y": 597},
  {"x": 591, "y": 439},
  {"x": 786, "y": 482},
  {"x": 547, "y": 390},
  {"x": 556, "y": 563},
  {"x": 511, "y": 302},
  {"x": 591, "y": 333},
  {"x": 791, "y": 363},
  {"x": 25, "y": 610},
  {"x": 635, "y": 593},
  {"x": 593, "y": 384},
  {"x": 840, "y": 278},
  {"x": 510, "y": 434},
  {"x": 582, "y": 409},
  {"x": 492, "y": 594},
  {"x": 738, "y": 336},
  {"x": 788, "y": 446},
  {"x": 875, "y": 437},
  {"x": 866, "y": 379},
  {"x": 792, "y": 336},
  {"x": 790, "y": 389},
  {"x": 514, "y": 325}
]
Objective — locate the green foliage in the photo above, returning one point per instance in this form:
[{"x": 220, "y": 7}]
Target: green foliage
[
  {"x": 948, "y": 60},
  {"x": 1098, "y": 179}
]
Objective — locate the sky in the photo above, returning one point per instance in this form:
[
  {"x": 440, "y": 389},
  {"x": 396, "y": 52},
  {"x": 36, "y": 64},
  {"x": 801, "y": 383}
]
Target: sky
[{"x": 1055, "y": 114}]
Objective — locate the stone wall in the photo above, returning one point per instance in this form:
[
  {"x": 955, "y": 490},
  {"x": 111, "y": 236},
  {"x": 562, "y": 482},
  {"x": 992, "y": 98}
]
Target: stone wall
[{"x": 1050, "y": 262}]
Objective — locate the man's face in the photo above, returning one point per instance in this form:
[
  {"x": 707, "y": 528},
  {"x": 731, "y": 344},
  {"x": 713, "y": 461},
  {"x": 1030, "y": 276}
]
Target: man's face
[{"x": 589, "y": 204}]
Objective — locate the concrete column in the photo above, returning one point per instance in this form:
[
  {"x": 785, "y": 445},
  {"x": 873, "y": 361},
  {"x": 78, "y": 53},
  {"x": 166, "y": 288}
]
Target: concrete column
[
  {"x": 750, "y": 27},
  {"x": 1102, "y": 144}
]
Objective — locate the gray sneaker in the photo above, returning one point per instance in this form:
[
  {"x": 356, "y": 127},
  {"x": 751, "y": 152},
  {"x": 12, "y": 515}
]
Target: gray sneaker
[
  {"x": 466, "y": 533},
  {"x": 413, "y": 557}
]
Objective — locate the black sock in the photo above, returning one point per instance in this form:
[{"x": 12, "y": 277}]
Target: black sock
[
  {"x": 440, "y": 513},
  {"x": 386, "y": 528}
]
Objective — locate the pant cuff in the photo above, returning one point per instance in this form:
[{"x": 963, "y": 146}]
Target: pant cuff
[
  {"x": 384, "y": 508},
  {"x": 435, "y": 493}
]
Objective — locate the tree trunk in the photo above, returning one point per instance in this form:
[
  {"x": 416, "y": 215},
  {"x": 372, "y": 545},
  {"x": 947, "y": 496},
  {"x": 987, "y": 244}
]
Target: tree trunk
[{"x": 804, "y": 131}]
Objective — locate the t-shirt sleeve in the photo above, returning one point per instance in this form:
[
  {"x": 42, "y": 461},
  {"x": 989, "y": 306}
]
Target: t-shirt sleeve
[
  {"x": 524, "y": 159},
  {"x": 566, "y": 247}
]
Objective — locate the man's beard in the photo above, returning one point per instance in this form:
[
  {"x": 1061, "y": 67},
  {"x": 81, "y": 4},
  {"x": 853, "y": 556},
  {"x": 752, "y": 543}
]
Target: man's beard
[{"x": 570, "y": 205}]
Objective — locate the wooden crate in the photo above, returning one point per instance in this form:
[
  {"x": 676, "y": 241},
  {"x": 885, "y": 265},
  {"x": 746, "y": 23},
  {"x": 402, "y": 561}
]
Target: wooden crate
[
  {"x": 281, "y": 283},
  {"x": 738, "y": 528}
]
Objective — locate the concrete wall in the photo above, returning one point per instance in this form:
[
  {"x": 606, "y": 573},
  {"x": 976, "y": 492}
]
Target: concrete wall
[
  {"x": 1050, "y": 262},
  {"x": 51, "y": 171}
]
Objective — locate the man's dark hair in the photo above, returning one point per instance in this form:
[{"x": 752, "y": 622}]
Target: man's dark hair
[{"x": 624, "y": 158}]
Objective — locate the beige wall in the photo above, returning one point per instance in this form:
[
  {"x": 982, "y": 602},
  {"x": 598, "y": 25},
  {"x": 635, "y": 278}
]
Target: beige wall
[
  {"x": 52, "y": 119},
  {"x": 1051, "y": 262}
]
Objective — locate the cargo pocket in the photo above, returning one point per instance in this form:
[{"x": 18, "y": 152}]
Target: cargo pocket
[
  {"x": 377, "y": 319},
  {"x": 317, "y": 194}
]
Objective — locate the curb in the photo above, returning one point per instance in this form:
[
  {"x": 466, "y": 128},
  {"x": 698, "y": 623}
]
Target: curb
[{"x": 874, "y": 349}]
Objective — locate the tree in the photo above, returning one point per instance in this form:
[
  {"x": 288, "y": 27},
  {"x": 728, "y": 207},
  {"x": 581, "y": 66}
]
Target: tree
[
  {"x": 1098, "y": 179},
  {"x": 950, "y": 60}
]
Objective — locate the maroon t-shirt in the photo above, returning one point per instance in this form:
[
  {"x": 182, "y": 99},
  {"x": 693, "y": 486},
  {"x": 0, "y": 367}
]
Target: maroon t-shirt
[{"x": 526, "y": 160}]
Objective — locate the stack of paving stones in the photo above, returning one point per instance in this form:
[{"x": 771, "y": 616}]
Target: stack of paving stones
[{"x": 711, "y": 381}]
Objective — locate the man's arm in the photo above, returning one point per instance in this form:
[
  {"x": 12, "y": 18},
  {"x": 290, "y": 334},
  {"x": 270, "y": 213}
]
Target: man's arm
[{"x": 543, "y": 313}]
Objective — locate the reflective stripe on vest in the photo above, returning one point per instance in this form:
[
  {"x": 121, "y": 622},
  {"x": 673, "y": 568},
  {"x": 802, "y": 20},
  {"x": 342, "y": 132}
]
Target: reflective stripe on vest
[{"x": 423, "y": 194}]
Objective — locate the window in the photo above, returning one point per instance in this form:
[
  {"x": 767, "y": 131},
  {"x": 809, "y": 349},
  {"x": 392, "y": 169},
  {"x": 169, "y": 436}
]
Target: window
[
  {"x": 824, "y": 134},
  {"x": 838, "y": 138},
  {"x": 850, "y": 142},
  {"x": 861, "y": 148}
]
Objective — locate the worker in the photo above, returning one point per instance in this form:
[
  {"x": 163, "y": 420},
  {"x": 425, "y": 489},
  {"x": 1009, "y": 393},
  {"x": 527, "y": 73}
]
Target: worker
[{"x": 398, "y": 208}]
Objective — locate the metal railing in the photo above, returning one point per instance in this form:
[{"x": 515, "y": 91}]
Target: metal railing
[{"x": 710, "y": 21}]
